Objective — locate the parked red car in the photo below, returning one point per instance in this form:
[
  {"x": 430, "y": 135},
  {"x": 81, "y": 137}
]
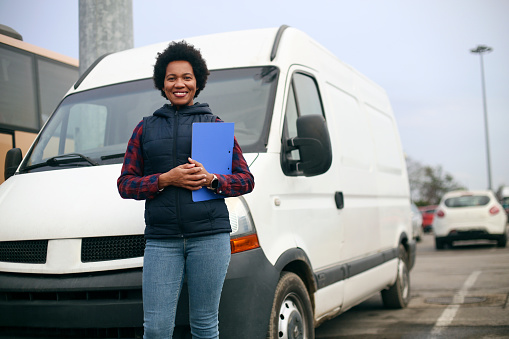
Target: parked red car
[{"x": 427, "y": 217}]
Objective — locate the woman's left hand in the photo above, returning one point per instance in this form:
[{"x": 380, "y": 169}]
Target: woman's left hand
[{"x": 208, "y": 176}]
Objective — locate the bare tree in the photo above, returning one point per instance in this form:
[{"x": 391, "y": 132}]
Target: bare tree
[
  {"x": 415, "y": 178},
  {"x": 428, "y": 184}
]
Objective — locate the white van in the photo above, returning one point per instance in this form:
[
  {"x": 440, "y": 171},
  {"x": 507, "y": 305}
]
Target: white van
[{"x": 327, "y": 226}]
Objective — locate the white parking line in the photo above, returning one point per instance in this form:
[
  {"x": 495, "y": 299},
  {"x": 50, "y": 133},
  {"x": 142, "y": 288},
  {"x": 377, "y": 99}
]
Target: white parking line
[{"x": 450, "y": 312}]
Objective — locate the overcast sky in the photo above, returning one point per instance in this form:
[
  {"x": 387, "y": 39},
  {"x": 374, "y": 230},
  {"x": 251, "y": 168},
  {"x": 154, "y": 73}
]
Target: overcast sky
[{"x": 418, "y": 50}]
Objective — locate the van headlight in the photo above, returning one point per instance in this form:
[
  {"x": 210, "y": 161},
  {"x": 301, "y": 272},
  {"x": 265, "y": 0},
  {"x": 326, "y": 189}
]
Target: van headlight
[{"x": 243, "y": 236}]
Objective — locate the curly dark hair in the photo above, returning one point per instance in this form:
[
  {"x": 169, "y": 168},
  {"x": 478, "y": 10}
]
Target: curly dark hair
[{"x": 177, "y": 51}]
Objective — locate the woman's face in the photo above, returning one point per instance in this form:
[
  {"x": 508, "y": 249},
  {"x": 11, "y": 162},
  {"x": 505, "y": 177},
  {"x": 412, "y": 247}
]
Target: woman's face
[{"x": 180, "y": 83}]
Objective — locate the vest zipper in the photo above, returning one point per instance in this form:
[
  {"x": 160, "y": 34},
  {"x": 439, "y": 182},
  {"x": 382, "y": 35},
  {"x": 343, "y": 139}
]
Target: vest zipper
[{"x": 177, "y": 199}]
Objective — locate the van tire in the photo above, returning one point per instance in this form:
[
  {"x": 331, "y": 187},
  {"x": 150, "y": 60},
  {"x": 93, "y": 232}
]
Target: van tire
[
  {"x": 292, "y": 313},
  {"x": 398, "y": 295}
]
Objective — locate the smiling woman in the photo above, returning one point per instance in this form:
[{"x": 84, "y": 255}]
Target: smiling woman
[{"x": 183, "y": 237}]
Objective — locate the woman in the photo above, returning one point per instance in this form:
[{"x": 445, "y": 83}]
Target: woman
[{"x": 182, "y": 237}]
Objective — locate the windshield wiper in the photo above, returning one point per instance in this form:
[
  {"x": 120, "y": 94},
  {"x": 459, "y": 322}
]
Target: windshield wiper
[
  {"x": 112, "y": 156},
  {"x": 69, "y": 158},
  {"x": 62, "y": 159}
]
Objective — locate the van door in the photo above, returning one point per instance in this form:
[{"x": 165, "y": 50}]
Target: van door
[{"x": 309, "y": 204}]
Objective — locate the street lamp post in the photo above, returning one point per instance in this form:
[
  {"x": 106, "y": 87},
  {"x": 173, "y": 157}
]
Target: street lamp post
[{"x": 480, "y": 50}]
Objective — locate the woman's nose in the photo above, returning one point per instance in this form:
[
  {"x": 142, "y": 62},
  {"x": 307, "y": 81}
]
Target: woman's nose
[{"x": 179, "y": 83}]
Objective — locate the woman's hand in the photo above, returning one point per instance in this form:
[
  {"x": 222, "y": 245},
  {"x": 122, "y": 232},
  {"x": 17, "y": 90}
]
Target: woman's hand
[
  {"x": 191, "y": 176},
  {"x": 208, "y": 176}
]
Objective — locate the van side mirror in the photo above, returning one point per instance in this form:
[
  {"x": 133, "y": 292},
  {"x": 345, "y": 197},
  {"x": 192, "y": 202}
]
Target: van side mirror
[
  {"x": 313, "y": 143},
  {"x": 12, "y": 160}
]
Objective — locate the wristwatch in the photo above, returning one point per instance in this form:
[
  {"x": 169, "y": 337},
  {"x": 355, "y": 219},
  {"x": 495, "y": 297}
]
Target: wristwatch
[{"x": 214, "y": 184}]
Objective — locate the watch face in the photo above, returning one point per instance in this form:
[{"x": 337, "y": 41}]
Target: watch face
[{"x": 214, "y": 183}]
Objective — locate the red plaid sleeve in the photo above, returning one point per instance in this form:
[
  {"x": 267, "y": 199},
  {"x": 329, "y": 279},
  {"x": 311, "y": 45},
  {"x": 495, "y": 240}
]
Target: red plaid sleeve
[
  {"x": 132, "y": 184},
  {"x": 241, "y": 181}
]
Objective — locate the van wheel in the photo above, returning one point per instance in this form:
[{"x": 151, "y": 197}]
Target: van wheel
[
  {"x": 398, "y": 295},
  {"x": 292, "y": 315}
]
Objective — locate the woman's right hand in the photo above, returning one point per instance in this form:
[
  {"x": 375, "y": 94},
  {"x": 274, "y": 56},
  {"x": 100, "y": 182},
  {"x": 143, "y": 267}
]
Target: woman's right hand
[{"x": 188, "y": 176}]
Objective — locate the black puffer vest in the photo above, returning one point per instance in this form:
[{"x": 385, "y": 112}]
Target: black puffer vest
[{"x": 166, "y": 143}]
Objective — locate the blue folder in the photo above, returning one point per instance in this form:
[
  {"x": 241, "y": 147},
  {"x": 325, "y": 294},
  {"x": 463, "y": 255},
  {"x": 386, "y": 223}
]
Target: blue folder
[{"x": 212, "y": 146}]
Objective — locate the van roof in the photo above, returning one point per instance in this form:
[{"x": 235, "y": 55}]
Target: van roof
[
  {"x": 282, "y": 47},
  {"x": 222, "y": 50}
]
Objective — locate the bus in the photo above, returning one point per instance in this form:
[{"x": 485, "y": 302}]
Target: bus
[{"x": 33, "y": 80}]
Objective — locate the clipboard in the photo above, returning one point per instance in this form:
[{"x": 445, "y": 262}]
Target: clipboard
[{"x": 212, "y": 146}]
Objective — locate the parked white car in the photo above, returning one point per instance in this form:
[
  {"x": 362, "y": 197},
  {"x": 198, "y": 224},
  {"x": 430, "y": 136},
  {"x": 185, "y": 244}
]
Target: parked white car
[{"x": 468, "y": 215}]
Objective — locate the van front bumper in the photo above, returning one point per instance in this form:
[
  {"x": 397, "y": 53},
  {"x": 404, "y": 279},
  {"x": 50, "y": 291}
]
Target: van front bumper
[{"x": 71, "y": 306}]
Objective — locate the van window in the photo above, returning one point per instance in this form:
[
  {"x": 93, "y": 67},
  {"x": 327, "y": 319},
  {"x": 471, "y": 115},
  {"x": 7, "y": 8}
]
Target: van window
[
  {"x": 244, "y": 96},
  {"x": 307, "y": 95},
  {"x": 303, "y": 99},
  {"x": 98, "y": 123},
  {"x": 86, "y": 130}
]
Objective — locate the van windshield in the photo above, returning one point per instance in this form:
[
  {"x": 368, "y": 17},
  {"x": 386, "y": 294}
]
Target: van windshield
[{"x": 93, "y": 127}]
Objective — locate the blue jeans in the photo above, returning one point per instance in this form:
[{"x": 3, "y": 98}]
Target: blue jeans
[{"x": 204, "y": 260}]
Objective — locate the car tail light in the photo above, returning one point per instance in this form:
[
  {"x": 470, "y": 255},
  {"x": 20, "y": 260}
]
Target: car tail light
[
  {"x": 440, "y": 214},
  {"x": 494, "y": 210}
]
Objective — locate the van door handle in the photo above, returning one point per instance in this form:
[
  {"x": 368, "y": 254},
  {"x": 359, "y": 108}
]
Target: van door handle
[{"x": 338, "y": 196}]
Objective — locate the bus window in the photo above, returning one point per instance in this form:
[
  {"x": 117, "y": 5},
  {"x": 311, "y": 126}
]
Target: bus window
[
  {"x": 17, "y": 83},
  {"x": 32, "y": 83},
  {"x": 55, "y": 79}
]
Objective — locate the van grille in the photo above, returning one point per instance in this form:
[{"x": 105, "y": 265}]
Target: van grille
[
  {"x": 112, "y": 248},
  {"x": 26, "y": 252},
  {"x": 68, "y": 333},
  {"x": 92, "y": 249}
]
